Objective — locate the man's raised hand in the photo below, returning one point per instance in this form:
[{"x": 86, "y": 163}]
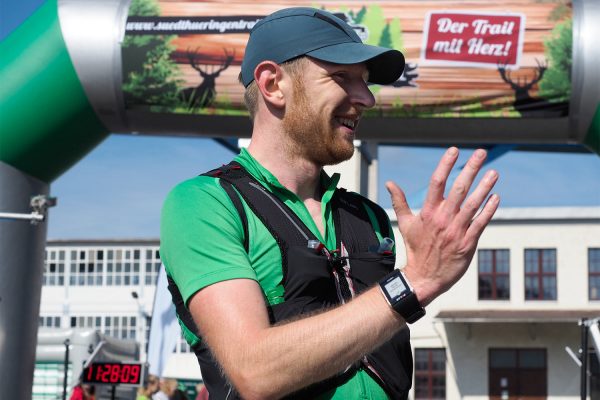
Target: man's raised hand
[{"x": 441, "y": 240}]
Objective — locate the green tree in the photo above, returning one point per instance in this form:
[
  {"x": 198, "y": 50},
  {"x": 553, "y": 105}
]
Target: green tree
[
  {"x": 556, "y": 84},
  {"x": 144, "y": 8},
  {"x": 360, "y": 15},
  {"x": 375, "y": 22},
  {"x": 149, "y": 74},
  {"x": 396, "y": 34},
  {"x": 385, "y": 40},
  {"x": 391, "y": 36}
]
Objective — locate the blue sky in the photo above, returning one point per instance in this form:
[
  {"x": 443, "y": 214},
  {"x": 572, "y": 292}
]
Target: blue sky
[{"x": 118, "y": 189}]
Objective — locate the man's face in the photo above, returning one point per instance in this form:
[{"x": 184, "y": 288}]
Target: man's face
[{"x": 322, "y": 117}]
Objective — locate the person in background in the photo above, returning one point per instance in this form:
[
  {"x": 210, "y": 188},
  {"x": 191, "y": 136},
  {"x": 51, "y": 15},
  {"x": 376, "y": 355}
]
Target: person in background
[
  {"x": 173, "y": 390},
  {"x": 83, "y": 392},
  {"x": 89, "y": 392},
  {"x": 143, "y": 393},
  {"x": 77, "y": 393},
  {"x": 201, "y": 392},
  {"x": 150, "y": 386},
  {"x": 162, "y": 390}
]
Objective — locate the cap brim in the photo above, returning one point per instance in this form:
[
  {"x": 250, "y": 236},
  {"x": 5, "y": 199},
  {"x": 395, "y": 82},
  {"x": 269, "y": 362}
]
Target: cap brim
[{"x": 385, "y": 65}]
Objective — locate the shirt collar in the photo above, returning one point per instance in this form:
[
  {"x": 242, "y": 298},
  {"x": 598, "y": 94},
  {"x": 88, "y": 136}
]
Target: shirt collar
[{"x": 264, "y": 176}]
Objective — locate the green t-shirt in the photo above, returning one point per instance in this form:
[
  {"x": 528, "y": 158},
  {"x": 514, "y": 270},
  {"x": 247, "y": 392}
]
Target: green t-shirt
[{"x": 202, "y": 242}]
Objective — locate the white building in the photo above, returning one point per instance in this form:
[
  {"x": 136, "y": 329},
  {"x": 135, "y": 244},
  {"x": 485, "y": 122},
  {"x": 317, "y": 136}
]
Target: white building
[
  {"x": 107, "y": 285},
  {"x": 499, "y": 333}
]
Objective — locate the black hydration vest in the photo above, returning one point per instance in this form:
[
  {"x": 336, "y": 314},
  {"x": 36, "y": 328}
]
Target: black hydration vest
[{"x": 313, "y": 280}]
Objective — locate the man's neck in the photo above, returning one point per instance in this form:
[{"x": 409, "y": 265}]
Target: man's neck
[{"x": 297, "y": 174}]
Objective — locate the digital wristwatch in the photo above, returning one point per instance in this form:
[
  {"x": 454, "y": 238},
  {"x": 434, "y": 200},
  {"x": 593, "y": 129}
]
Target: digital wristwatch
[{"x": 401, "y": 296}]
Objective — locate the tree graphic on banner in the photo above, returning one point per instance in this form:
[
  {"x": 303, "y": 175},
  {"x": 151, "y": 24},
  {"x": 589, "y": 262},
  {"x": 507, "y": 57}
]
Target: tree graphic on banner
[
  {"x": 556, "y": 85},
  {"x": 149, "y": 73}
]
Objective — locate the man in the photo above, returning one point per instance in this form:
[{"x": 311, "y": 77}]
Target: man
[{"x": 277, "y": 277}]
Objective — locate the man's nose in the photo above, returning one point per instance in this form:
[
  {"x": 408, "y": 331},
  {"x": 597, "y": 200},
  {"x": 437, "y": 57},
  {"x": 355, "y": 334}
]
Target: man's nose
[{"x": 361, "y": 95}]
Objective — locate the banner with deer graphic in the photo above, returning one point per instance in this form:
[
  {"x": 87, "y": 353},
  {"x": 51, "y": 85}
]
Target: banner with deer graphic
[{"x": 464, "y": 59}]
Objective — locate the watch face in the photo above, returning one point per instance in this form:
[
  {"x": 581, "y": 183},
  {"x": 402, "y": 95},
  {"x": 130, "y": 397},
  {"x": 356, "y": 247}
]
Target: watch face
[
  {"x": 401, "y": 297},
  {"x": 395, "y": 288}
]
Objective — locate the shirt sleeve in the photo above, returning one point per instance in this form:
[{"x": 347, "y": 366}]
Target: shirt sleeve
[{"x": 202, "y": 237}]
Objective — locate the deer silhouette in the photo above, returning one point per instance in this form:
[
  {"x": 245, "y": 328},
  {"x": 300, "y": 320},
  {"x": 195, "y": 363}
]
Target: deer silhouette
[
  {"x": 204, "y": 94},
  {"x": 524, "y": 103}
]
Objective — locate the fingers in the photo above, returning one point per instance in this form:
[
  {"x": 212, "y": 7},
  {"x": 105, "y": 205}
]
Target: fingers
[
  {"x": 463, "y": 182},
  {"x": 481, "y": 221},
  {"x": 476, "y": 199},
  {"x": 437, "y": 184},
  {"x": 399, "y": 202}
]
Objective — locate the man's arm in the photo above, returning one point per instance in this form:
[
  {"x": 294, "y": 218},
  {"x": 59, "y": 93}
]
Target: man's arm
[{"x": 264, "y": 361}]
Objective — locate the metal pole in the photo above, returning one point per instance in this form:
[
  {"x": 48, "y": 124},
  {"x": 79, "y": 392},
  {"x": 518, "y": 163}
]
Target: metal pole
[
  {"x": 27, "y": 217},
  {"x": 584, "y": 353},
  {"x": 113, "y": 392},
  {"x": 66, "y": 374},
  {"x": 21, "y": 272}
]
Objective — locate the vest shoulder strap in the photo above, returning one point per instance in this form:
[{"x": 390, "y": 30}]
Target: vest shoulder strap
[
  {"x": 352, "y": 223},
  {"x": 235, "y": 199},
  {"x": 382, "y": 217},
  {"x": 284, "y": 225},
  {"x": 278, "y": 218}
]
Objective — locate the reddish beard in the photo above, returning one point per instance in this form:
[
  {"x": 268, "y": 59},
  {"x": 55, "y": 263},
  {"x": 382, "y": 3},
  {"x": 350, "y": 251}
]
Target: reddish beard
[{"x": 311, "y": 133}]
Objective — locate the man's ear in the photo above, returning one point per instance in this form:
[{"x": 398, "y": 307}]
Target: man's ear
[{"x": 268, "y": 76}]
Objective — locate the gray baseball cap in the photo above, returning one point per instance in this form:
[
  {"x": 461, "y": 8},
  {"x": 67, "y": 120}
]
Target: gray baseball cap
[{"x": 298, "y": 31}]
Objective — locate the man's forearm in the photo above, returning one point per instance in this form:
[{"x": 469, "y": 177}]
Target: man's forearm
[{"x": 277, "y": 360}]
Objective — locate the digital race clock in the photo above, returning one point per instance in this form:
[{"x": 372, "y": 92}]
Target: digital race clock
[{"x": 110, "y": 373}]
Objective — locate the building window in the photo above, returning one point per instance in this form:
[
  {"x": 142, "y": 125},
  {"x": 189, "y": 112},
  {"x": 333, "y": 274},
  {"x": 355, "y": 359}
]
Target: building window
[
  {"x": 152, "y": 266},
  {"x": 49, "y": 321},
  {"x": 86, "y": 321},
  {"x": 98, "y": 266},
  {"x": 97, "y": 276},
  {"x": 517, "y": 373},
  {"x": 120, "y": 327},
  {"x": 494, "y": 276},
  {"x": 540, "y": 274},
  {"x": 123, "y": 267},
  {"x": 594, "y": 273},
  {"x": 86, "y": 267},
  {"x": 54, "y": 268},
  {"x": 430, "y": 373}
]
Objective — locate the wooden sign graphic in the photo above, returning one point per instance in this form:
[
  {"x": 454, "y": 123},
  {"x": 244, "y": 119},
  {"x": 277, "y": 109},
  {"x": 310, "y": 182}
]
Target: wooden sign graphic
[{"x": 464, "y": 59}]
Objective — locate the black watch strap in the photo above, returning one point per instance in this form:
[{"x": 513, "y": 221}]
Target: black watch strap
[
  {"x": 410, "y": 308},
  {"x": 401, "y": 297}
]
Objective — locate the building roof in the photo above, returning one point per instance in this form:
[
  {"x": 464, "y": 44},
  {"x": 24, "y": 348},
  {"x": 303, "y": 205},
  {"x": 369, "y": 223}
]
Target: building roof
[
  {"x": 515, "y": 316},
  {"x": 103, "y": 242}
]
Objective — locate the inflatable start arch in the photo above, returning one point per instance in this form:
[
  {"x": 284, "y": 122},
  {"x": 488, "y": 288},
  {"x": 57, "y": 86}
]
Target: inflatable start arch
[{"x": 480, "y": 72}]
